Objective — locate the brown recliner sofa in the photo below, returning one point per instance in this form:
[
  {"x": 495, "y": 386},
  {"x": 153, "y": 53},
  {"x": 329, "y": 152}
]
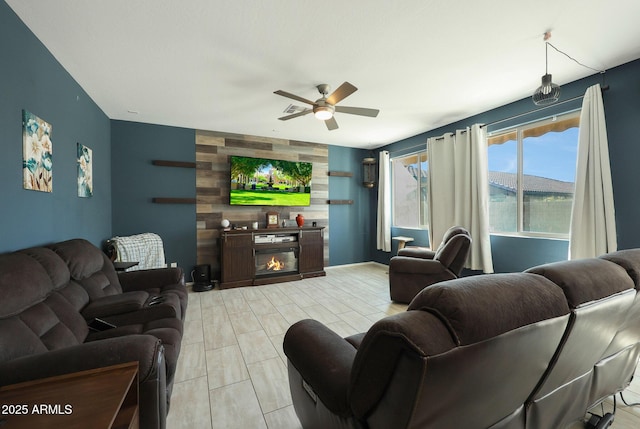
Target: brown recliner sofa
[
  {"x": 45, "y": 331},
  {"x": 418, "y": 267},
  {"x": 521, "y": 350}
]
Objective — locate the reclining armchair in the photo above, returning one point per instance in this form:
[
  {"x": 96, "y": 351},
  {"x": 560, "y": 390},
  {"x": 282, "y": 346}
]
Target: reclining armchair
[
  {"x": 414, "y": 369},
  {"x": 418, "y": 267}
]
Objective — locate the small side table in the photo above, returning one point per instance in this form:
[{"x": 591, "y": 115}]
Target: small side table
[
  {"x": 101, "y": 398},
  {"x": 402, "y": 240}
]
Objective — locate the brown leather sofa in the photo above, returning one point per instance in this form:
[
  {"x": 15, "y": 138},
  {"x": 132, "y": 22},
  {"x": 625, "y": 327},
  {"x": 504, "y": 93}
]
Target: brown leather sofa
[
  {"x": 49, "y": 300},
  {"x": 417, "y": 267},
  {"x": 520, "y": 350}
]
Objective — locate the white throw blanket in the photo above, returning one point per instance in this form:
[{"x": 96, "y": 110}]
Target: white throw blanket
[{"x": 146, "y": 249}]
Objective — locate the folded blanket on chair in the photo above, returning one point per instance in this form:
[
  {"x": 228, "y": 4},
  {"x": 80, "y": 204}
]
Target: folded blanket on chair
[{"x": 147, "y": 249}]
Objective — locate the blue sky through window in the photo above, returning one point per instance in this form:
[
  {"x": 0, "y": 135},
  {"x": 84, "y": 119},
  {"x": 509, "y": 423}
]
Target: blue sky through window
[{"x": 552, "y": 155}]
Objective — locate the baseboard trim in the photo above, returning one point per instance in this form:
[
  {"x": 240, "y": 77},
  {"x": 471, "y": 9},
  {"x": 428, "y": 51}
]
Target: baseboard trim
[{"x": 354, "y": 264}]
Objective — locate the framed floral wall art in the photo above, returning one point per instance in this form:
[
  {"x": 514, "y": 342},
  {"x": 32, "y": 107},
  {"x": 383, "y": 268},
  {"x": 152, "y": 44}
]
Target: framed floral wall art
[
  {"x": 85, "y": 171},
  {"x": 37, "y": 151}
]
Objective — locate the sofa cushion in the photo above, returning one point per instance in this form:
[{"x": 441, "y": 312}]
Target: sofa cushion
[
  {"x": 55, "y": 267},
  {"x": 586, "y": 280},
  {"x": 479, "y": 307},
  {"x": 49, "y": 325},
  {"x": 58, "y": 272},
  {"x": 628, "y": 259},
  {"x": 115, "y": 304},
  {"x": 168, "y": 331},
  {"x": 23, "y": 283},
  {"x": 32, "y": 310},
  {"x": 89, "y": 266}
]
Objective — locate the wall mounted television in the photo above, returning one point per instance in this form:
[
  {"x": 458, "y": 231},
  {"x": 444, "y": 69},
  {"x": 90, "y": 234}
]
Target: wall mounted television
[{"x": 269, "y": 182}]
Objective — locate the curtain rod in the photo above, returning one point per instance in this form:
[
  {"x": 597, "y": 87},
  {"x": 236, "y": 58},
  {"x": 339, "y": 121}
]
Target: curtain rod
[
  {"x": 604, "y": 88},
  {"x": 421, "y": 146}
]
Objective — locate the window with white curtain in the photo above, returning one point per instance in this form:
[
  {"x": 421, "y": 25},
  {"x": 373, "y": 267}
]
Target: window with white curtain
[
  {"x": 532, "y": 171},
  {"x": 409, "y": 190}
]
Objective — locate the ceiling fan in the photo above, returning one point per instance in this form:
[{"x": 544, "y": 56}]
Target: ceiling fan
[{"x": 324, "y": 107}]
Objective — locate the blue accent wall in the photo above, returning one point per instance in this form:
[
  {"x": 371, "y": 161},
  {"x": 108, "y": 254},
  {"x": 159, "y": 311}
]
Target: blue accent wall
[
  {"x": 136, "y": 181},
  {"x": 32, "y": 79},
  {"x": 350, "y": 239},
  {"x": 125, "y": 181},
  {"x": 622, "y": 110}
]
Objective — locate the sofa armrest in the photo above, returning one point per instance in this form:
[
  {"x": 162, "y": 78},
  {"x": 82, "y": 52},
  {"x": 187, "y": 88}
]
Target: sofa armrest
[
  {"x": 115, "y": 304},
  {"x": 409, "y": 265},
  {"x": 145, "y": 349},
  {"x": 324, "y": 361},
  {"x": 417, "y": 252},
  {"x": 148, "y": 279}
]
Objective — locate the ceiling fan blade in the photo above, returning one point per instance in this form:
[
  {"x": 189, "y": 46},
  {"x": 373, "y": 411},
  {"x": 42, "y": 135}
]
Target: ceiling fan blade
[
  {"x": 358, "y": 111},
  {"x": 293, "y": 96},
  {"x": 331, "y": 123},
  {"x": 342, "y": 92},
  {"x": 295, "y": 115}
]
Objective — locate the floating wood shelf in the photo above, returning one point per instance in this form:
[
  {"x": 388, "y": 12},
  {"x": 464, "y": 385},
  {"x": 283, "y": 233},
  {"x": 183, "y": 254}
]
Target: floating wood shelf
[
  {"x": 182, "y": 164},
  {"x": 158, "y": 200},
  {"x": 340, "y": 173},
  {"x": 339, "y": 201}
]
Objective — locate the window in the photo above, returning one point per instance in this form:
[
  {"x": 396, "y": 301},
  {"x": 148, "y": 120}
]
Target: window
[
  {"x": 409, "y": 190},
  {"x": 531, "y": 177}
]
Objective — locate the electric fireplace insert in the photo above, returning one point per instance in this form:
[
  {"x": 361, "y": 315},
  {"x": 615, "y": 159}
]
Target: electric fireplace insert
[{"x": 276, "y": 261}]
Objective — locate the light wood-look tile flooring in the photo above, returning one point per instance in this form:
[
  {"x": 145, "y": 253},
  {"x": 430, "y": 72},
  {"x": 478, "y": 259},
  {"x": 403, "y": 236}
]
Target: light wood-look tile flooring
[{"x": 232, "y": 370}]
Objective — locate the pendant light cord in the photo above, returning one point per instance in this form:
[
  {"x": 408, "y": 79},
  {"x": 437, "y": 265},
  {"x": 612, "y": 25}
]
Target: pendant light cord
[
  {"x": 573, "y": 59},
  {"x": 546, "y": 57}
]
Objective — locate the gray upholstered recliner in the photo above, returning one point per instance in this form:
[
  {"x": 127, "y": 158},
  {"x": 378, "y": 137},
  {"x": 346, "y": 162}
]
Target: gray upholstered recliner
[
  {"x": 531, "y": 350},
  {"x": 466, "y": 354},
  {"x": 418, "y": 267}
]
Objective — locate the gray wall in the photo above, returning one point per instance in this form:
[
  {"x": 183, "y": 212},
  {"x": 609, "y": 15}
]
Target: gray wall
[
  {"x": 136, "y": 181},
  {"x": 32, "y": 79},
  {"x": 622, "y": 110}
]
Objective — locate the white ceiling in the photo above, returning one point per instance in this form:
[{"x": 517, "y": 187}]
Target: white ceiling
[{"x": 214, "y": 65}]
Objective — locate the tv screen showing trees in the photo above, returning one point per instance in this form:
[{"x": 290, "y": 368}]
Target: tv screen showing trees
[{"x": 269, "y": 182}]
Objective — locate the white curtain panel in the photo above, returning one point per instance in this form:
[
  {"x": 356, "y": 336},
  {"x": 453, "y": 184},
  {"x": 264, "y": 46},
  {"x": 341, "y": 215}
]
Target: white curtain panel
[
  {"x": 459, "y": 191},
  {"x": 593, "y": 224},
  {"x": 383, "y": 239}
]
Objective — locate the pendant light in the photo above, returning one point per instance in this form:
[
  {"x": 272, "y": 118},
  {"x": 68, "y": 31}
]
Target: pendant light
[{"x": 548, "y": 92}]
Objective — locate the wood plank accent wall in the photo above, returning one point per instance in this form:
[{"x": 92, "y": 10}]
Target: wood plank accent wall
[{"x": 213, "y": 171}]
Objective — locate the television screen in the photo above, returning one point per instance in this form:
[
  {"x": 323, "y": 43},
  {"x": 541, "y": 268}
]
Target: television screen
[{"x": 269, "y": 182}]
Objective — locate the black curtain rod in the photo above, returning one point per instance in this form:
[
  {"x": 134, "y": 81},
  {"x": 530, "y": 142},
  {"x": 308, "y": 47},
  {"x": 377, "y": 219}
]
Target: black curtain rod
[
  {"x": 421, "y": 146},
  {"x": 604, "y": 88},
  {"x": 442, "y": 136}
]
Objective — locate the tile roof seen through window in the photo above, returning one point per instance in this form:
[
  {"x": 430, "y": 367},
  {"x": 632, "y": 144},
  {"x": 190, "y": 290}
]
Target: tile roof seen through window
[
  {"x": 507, "y": 181},
  {"x": 537, "y": 184}
]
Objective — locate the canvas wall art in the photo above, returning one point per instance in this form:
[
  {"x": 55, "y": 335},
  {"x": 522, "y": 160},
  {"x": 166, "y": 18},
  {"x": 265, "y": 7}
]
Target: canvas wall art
[
  {"x": 85, "y": 171},
  {"x": 37, "y": 153}
]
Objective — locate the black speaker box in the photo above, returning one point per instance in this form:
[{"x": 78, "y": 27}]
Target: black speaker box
[{"x": 201, "y": 276}]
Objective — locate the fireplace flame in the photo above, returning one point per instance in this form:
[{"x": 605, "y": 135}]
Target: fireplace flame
[{"x": 275, "y": 264}]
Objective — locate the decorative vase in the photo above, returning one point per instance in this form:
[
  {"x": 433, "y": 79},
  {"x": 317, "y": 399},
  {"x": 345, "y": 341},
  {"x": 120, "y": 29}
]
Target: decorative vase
[{"x": 300, "y": 220}]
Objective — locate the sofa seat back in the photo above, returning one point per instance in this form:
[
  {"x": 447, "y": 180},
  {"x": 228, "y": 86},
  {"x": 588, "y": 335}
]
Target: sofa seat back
[
  {"x": 33, "y": 308},
  {"x": 615, "y": 368},
  {"x": 492, "y": 333},
  {"x": 90, "y": 267},
  {"x": 454, "y": 250},
  {"x": 599, "y": 293},
  {"x": 110, "y": 299}
]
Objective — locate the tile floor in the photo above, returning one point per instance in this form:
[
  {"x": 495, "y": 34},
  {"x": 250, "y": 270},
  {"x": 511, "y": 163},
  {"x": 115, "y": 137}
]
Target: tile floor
[{"x": 232, "y": 370}]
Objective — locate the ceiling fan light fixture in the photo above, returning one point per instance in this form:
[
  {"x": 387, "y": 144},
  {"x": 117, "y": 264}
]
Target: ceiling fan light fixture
[{"x": 323, "y": 112}]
